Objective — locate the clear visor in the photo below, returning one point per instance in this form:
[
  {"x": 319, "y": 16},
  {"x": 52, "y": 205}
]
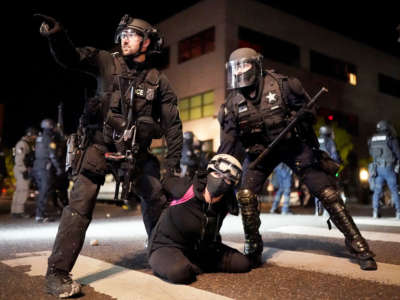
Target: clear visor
[
  {"x": 127, "y": 33},
  {"x": 242, "y": 72}
]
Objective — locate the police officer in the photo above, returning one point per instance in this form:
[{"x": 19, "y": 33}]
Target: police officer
[
  {"x": 61, "y": 180},
  {"x": 24, "y": 158},
  {"x": 385, "y": 151},
  {"x": 189, "y": 160},
  {"x": 284, "y": 179},
  {"x": 258, "y": 108},
  {"x": 186, "y": 239},
  {"x": 45, "y": 168},
  {"x": 327, "y": 144},
  {"x": 122, "y": 78}
]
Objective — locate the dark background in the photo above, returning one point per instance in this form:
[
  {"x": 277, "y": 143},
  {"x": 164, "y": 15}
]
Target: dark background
[{"x": 34, "y": 84}]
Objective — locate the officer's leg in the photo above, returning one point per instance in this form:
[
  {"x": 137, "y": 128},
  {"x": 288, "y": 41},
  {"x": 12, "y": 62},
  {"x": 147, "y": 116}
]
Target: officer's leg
[
  {"x": 286, "y": 196},
  {"x": 252, "y": 182},
  {"x": 324, "y": 187},
  {"x": 378, "y": 188},
  {"x": 277, "y": 199},
  {"x": 74, "y": 222},
  {"x": 21, "y": 193},
  {"x": 148, "y": 187},
  {"x": 44, "y": 194},
  {"x": 172, "y": 265},
  {"x": 391, "y": 180}
]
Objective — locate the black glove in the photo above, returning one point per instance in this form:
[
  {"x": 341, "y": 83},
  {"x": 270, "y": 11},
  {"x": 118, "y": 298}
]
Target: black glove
[
  {"x": 49, "y": 25},
  {"x": 25, "y": 174},
  {"x": 308, "y": 116}
]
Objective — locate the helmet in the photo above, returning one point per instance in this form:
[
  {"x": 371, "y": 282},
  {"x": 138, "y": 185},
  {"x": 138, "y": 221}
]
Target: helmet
[
  {"x": 383, "y": 126},
  {"x": 244, "y": 68},
  {"x": 31, "y": 131},
  {"x": 226, "y": 165},
  {"x": 325, "y": 131},
  {"x": 47, "y": 124},
  {"x": 144, "y": 29}
]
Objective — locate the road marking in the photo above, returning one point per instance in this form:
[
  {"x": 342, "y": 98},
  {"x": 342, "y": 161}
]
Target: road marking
[
  {"x": 379, "y": 222},
  {"x": 386, "y": 273},
  {"x": 116, "y": 281},
  {"x": 335, "y": 233}
]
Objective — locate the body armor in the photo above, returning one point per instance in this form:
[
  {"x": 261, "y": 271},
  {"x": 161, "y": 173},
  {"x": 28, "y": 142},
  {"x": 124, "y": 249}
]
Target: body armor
[
  {"x": 380, "y": 151},
  {"x": 262, "y": 123}
]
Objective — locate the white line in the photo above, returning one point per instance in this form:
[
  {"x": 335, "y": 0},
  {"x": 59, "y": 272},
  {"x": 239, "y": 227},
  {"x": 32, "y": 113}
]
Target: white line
[
  {"x": 334, "y": 233},
  {"x": 118, "y": 282},
  {"x": 379, "y": 222},
  {"x": 386, "y": 273}
]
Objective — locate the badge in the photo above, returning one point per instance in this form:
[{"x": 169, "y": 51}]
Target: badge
[{"x": 271, "y": 98}]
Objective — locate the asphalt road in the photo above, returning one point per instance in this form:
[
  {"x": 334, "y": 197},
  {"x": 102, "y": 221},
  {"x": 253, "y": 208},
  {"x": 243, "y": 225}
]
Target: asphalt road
[{"x": 303, "y": 259}]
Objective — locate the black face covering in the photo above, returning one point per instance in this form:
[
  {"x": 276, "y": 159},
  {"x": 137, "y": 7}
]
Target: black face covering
[{"x": 217, "y": 186}]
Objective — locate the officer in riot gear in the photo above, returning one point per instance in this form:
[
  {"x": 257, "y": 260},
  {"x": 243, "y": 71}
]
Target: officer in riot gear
[
  {"x": 258, "y": 108},
  {"x": 385, "y": 151},
  {"x": 46, "y": 167},
  {"x": 24, "y": 158},
  {"x": 186, "y": 239},
  {"x": 327, "y": 144},
  {"x": 137, "y": 104}
]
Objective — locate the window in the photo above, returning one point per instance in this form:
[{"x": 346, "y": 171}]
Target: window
[
  {"x": 161, "y": 61},
  {"x": 197, "y": 45},
  {"x": 389, "y": 85},
  {"x": 197, "y": 106},
  {"x": 333, "y": 67},
  {"x": 270, "y": 47}
]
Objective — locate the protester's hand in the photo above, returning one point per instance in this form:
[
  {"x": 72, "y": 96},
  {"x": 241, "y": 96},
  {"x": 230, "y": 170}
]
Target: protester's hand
[{"x": 49, "y": 25}]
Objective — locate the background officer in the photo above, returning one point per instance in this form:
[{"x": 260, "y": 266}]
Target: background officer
[
  {"x": 258, "y": 108},
  {"x": 327, "y": 144},
  {"x": 186, "y": 239},
  {"x": 46, "y": 167},
  {"x": 385, "y": 151},
  {"x": 284, "y": 179},
  {"x": 24, "y": 158},
  {"x": 132, "y": 96}
]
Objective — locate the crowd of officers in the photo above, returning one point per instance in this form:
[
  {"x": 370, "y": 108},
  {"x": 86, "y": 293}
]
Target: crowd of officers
[{"x": 183, "y": 212}]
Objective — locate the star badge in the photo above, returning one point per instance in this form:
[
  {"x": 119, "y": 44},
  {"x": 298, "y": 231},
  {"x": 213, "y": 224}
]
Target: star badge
[{"x": 271, "y": 97}]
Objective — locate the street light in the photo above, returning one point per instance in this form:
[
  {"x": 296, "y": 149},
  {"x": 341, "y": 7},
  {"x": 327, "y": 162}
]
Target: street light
[{"x": 364, "y": 175}]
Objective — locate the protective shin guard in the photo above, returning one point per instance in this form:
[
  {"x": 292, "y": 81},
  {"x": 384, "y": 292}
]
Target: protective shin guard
[
  {"x": 248, "y": 204},
  {"x": 69, "y": 240},
  {"x": 354, "y": 241}
]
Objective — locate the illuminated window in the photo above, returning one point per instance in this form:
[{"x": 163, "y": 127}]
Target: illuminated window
[
  {"x": 197, "y": 106},
  {"x": 196, "y": 45},
  {"x": 352, "y": 79}
]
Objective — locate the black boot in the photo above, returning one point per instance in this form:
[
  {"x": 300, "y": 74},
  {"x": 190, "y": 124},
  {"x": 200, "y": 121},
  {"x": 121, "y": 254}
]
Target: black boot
[
  {"x": 60, "y": 284},
  {"x": 251, "y": 222},
  {"x": 354, "y": 241}
]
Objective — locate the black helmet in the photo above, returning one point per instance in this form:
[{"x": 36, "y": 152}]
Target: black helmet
[
  {"x": 383, "y": 126},
  {"x": 47, "y": 124},
  {"x": 325, "y": 130},
  {"x": 31, "y": 131},
  {"x": 244, "y": 68},
  {"x": 144, "y": 29}
]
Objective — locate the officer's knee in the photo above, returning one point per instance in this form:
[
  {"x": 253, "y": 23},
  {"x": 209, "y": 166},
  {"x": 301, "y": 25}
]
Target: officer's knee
[{"x": 181, "y": 273}]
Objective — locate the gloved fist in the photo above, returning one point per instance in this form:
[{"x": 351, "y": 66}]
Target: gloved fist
[{"x": 49, "y": 25}]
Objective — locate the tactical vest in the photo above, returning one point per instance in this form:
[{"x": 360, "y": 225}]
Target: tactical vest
[
  {"x": 323, "y": 144},
  {"x": 145, "y": 88},
  {"x": 380, "y": 151},
  {"x": 42, "y": 150},
  {"x": 262, "y": 123}
]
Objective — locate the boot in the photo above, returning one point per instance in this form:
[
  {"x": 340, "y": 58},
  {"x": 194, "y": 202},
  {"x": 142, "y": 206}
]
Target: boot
[
  {"x": 251, "y": 222},
  {"x": 60, "y": 284},
  {"x": 354, "y": 241}
]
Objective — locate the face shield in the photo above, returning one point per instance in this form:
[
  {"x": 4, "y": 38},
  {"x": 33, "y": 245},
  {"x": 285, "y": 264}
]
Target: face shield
[{"x": 243, "y": 72}]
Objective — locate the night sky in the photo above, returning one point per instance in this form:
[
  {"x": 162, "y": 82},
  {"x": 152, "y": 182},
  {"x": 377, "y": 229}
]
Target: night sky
[{"x": 35, "y": 84}]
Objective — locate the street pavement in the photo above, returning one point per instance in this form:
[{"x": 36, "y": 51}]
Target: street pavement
[{"x": 303, "y": 259}]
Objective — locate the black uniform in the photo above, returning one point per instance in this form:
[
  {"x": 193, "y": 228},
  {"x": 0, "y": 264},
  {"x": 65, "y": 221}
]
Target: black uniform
[
  {"x": 45, "y": 168},
  {"x": 153, "y": 98},
  {"x": 252, "y": 125},
  {"x": 186, "y": 239},
  {"x": 61, "y": 180}
]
